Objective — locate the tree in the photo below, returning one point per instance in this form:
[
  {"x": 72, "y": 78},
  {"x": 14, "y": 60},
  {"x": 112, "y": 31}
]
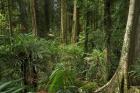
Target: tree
[
  {"x": 24, "y": 16},
  {"x": 108, "y": 31},
  {"x": 134, "y": 53},
  {"x": 119, "y": 82},
  {"x": 47, "y": 17},
  {"x": 34, "y": 19},
  {"x": 63, "y": 34},
  {"x": 40, "y": 14},
  {"x": 74, "y": 27}
]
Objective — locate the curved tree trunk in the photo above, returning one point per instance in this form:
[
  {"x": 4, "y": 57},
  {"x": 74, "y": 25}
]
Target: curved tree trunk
[{"x": 118, "y": 83}]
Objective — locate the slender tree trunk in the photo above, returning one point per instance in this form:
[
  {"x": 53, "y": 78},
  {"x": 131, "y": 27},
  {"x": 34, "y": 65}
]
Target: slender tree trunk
[
  {"x": 70, "y": 24},
  {"x": 86, "y": 32},
  {"x": 78, "y": 25},
  {"x": 34, "y": 19},
  {"x": 40, "y": 11},
  {"x": 23, "y": 16},
  {"x": 47, "y": 15},
  {"x": 108, "y": 31},
  {"x": 74, "y": 27},
  {"x": 63, "y": 22}
]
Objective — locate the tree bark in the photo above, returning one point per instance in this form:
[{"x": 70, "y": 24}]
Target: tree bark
[
  {"x": 74, "y": 28},
  {"x": 34, "y": 19},
  {"x": 40, "y": 11},
  {"x": 63, "y": 35}
]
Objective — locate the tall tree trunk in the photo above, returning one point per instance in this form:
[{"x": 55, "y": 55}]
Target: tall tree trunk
[
  {"x": 34, "y": 19},
  {"x": 108, "y": 31},
  {"x": 86, "y": 32},
  {"x": 74, "y": 27},
  {"x": 118, "y": 83},
  {"x": 78, "y": 24},
  {"x": 47, "y": 17},
  {"x": 40, "y": 11},
  {"x": 135, "y": 47},
  {"x": 70, "y": 23},
  {"x": 63, "y": 34},
  {"x": 23, "y": 16}
]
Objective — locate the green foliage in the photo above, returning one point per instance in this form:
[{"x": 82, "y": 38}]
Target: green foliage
[
  {"x": 62, "y": 79},
  {"x": 71, "y": 54},
  {"x": 135, "y": 73},
  {"x": 96, "y": 67},
  {"x": 88, "y": 87},
  {"x": 39, "y": 53},
  {"x": 3, "y": 22},
  {"x": 58, "y": 66},
  {"x": 11, "y": 87}
]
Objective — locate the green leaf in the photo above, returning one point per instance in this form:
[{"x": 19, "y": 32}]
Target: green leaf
[
  {"x": 5, "y": 85},
  {"x": 17, "y": 90}
]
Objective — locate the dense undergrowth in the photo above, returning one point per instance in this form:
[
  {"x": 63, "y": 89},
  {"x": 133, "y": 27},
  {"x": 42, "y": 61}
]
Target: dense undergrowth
[
  {"x": 46, "y": 65},
  {"x": 58, "y": 68}
]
